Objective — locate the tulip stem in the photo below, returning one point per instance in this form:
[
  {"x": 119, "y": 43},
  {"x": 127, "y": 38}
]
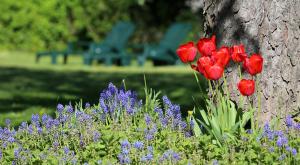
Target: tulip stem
[
  {"x": 252, "y": 113},
  {"x": 216, "y": 89},
  {"x": 226, "y": 87},
  {"x": 198, "y": 83},
  {"x": 210, "y": 86},
  {"x": 240, "y": 71}
]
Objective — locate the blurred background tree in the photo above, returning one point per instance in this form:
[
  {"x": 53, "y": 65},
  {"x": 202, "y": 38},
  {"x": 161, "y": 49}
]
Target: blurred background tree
[{"x": 33, "y": 25}]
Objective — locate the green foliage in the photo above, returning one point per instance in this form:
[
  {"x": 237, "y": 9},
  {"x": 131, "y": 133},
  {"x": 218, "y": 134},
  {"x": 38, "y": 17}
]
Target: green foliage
[
  {"x": 151, "y": 98},
  {"x": 72, "y": 141},
  {"x": 33, "y": 25},
  {"x": 221, "y": 118}
]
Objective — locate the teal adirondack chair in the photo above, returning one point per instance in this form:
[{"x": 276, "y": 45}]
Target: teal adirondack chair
[
  {"x": 113, "y": 46},
  {"x": 165, "y": 51},
  {"x": 72, "y": 48}
]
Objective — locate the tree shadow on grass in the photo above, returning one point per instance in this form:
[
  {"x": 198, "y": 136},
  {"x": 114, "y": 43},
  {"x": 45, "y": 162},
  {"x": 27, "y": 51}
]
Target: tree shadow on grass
[{"x": 22, "y": 89}]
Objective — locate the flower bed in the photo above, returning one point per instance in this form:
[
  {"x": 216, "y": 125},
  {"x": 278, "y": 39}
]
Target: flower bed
[{"x": 122, "y": 130}]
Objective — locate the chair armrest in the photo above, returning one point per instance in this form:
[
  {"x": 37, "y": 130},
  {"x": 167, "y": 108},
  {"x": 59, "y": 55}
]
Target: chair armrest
[{"x": 173, "y": 53}]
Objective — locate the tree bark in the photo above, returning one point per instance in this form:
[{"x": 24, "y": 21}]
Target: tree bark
[{"x": 268, "y": 27}]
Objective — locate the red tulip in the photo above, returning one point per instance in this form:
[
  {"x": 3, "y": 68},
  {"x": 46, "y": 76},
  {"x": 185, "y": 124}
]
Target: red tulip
[
  {"x": 187, "y": 52},
  {"x": 207, "y": 45},
  {"x": 203, "y": 64},
  {"x": 222, "y": 56},
  {"x": 246, "y": 87},
  {"x": 215, "y": 72},
  {"x": 238, "y": 53},
  {"x": 254, "y": 64},
  {"x": 210, "y": 70}
]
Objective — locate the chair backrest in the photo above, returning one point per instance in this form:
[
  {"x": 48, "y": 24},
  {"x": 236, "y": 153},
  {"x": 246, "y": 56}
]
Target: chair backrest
[
  {"x": 175, "y": 35},
  {"x": 119, "y": 35}
]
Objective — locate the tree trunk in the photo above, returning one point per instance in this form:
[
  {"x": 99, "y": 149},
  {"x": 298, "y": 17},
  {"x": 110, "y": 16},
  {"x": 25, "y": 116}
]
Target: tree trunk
[{"x": 268, "y": 27}]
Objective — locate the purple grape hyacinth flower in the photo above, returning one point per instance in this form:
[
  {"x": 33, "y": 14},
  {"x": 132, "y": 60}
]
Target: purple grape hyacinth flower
[
  {"x": 70, "y": 108},
  {"x": 176, "y": 156},
  {"x": 44, "y": 119},
  {"x": 124, "y": 155},
  {"x": 294, "y": 151},
  {"x": 112, "y": 88},
  {"x": 125, "y": 144},
  {"x": 23, "y": 125},
  {"x": 281, "y": 141},
  {"x": 60, "y": 108},
  {"x": 170, "y": 155},
  {"x": 289, "y": 121},
  {"x": 55, "y": 144},
  {"x": 124, "y": 159},
  {"x": 39, "y": 129},
  {"x": 11, "y": 139},
  {"x": 17, "y": 153},
  {"x": 166, "y": 101},
  {"x": 35, "y": 119},
  {"x": 282, "y": 157},
  {"x": 87, "y": 105},
  {"x": 7, "y": 122},
  {"x": 147, "y": 119},
  {"x": 215, "y": 162},
  {"x": 103, "y": 106},
  {"x": 138, "y": 145},
  {"x": 146, "y": 158},
  {"x": 66, "y": 150},
  {"x": 159, "y": 111},
  {"x": 96, "y": 136}
]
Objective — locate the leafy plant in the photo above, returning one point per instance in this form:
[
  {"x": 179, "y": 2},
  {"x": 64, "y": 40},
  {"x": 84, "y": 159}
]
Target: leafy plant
[
  {"x": 223, "y": 119},
  {"x": 151, "y": 98}
]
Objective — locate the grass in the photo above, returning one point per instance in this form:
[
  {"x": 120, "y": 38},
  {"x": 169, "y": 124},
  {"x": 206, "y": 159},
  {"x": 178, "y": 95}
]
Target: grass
[{"x": 27, "y": 87}]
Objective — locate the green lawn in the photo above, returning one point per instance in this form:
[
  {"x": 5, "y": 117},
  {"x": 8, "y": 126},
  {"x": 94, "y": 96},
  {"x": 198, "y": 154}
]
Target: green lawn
[{"x": 27, "y": 87}]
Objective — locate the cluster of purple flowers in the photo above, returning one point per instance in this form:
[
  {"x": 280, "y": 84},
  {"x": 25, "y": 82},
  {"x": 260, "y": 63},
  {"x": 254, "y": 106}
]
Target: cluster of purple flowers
[
  {"x": 75, "y": 130},
  {"x": 171, "y": 117},
  {"x": 124, "y": 157},
  {"x": 114, "y": 101},
  {"x": 7, "y": 137},
  {"x": 69, "y": 156},
  {"x": 148, "y": 157},
  {"x": 279, "y": 137},
  {"x": 138, "y": 145},
  {"x": 70, "y": 123},
  {"x": 151, "y": 129},
  {"x": 170, "y": 155},
  {"x": 291, "y": 124}
]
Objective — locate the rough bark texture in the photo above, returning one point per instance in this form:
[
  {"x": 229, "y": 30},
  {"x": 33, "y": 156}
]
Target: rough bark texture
[{"x": 269, "y": 27}]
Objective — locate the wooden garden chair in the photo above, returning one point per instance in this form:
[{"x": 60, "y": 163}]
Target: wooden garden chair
[
  {"x": 113, "y": 46},
  {"x": 73, "y": 48},
  {"x": 165, "y": 51}
]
